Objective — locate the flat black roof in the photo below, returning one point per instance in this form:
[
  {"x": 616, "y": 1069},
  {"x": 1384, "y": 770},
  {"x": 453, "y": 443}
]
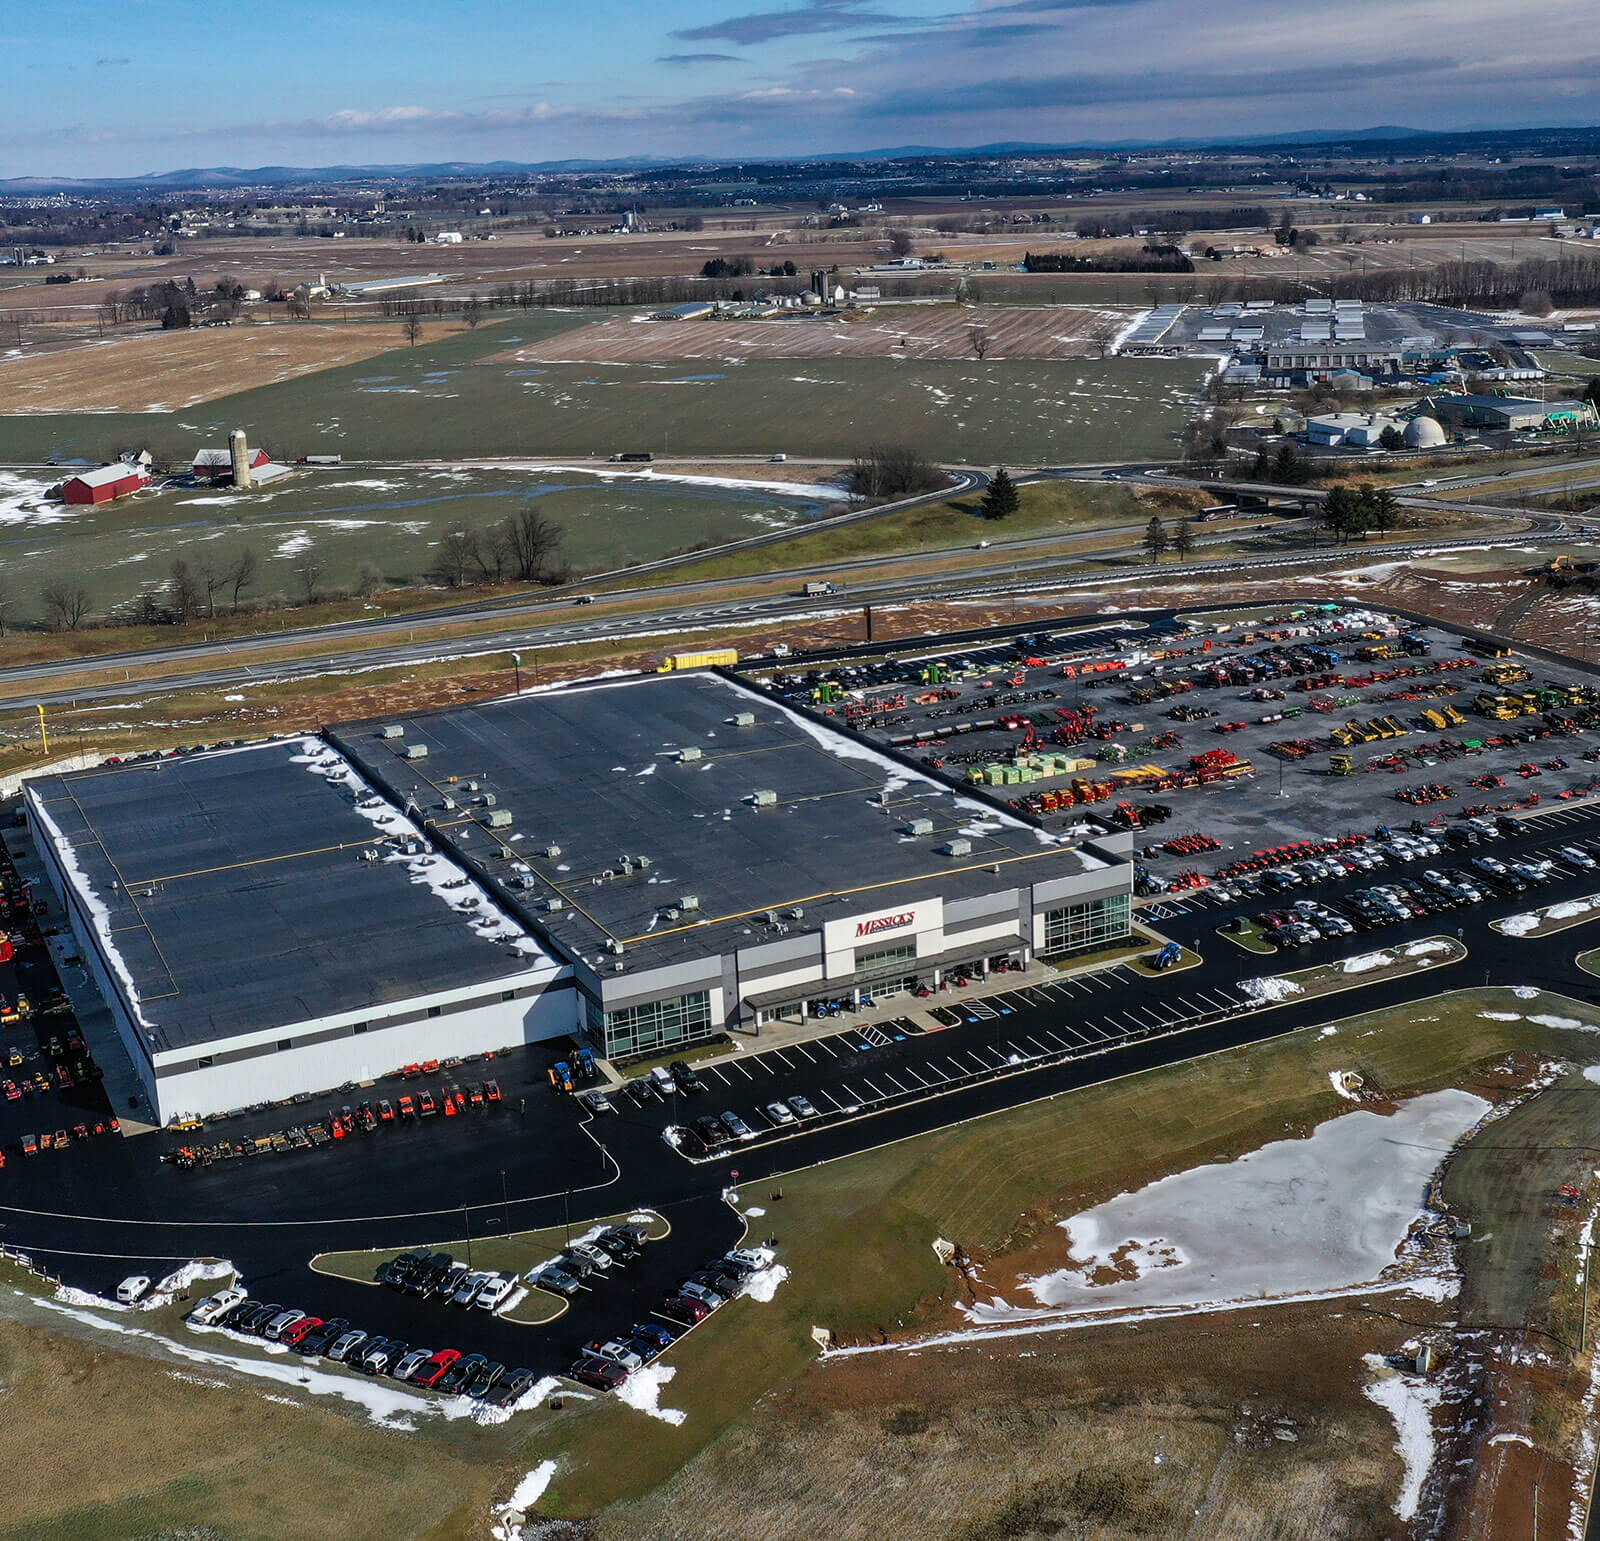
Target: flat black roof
[
  {"x": 230, "y": 887},
  {"x": 595, "y": 770}
]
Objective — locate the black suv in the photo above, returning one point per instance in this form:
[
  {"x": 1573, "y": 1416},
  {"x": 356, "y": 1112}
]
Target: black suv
[{"x": 686, "y": 1079}]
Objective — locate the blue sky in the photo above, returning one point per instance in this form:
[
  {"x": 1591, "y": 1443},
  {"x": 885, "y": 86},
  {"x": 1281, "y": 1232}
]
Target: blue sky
[{"x": 120, "y": 87}]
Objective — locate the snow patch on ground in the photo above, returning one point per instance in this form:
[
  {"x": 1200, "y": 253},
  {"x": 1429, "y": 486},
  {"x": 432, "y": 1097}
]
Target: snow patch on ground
[
  {"x": 1423, "y": 949},
  {"x": 1270, "y": 989},
  {"x": 1410, "y": 1402},
  {"x": 763, "y": 1284},
  {"x": 1519, "y": 925},
  {"x": 1525, "y": 993},
  {"x": 510, "y": 1516},
  {"x": 1296, "y": 1215},
  {"x": 1336, "y": 1081},
  {"x": 642, "y": 1390},
  {"x": 1435, "y": 1287},
  {"x": 1367, "y": 961}
]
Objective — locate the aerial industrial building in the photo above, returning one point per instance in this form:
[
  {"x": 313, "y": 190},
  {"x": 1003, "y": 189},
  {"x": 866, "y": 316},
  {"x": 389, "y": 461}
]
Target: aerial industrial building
[{"x": 642, "y": 864}]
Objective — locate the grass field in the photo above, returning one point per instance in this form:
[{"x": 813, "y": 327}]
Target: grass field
[
  {"x": 452, "y": 400},
  {"x": 387, "y": 518},
  {"x": 857, "y": 1234},
  {"x": 1046, "y": 507},
  {"x": 166, "y": 371}
]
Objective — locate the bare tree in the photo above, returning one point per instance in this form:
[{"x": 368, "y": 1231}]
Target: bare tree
[
  {"x": 6, "y": 602},
  {"x": 242, "y": 574},
  {"x": 901, "y": 243},
  {"x": 183, "y": 592},
  {"x": 472, "y": 312},
  {"x": 412, "y": 327},
  {"x": 370, "y": 580},
  {"x": 892, "y": 471},
  {"x": 66, "y": 605},
  {"x": 978, "y": 336},
  {"x": 534, "y": 542},
  {"x": 309, "y": 571},
  {"x": 493, "y": 551},
  {"x": 211, "y": 578},
  {"x": 457, "y": 555}
]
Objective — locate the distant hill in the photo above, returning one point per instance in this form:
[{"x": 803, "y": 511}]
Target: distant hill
[{"x": 286, "y": 176}]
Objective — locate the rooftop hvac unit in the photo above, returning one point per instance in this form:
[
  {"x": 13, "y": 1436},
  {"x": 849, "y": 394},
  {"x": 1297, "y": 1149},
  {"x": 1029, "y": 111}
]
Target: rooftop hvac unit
[
  {"x": 613, "y": 945},
  {"x": 488, "y": 800},
  {"x": 797, "y": 913},
  {"x": 689, "y": 902},
  {"x": 552, "y": 906},
  {"x": 448, "y": 805},
  {"x": 920, "y": 827},
  {"x": 674, "y": 913},
  {"x": 499, "y": 818},
  {"x": 685, "y": 755},
  {"x": 643, "y": 863},
  {"x": 743, "y": 719},
  {"x": 769, "y": 918},
  {"x": 368, "y": 855},
  {"x": 763, "y": 799},
  {"x": 473, "y": 786},
  {"x": 550, "y": 852},
  {"x": 956, "y": 848},
  {"x": 392, "y": 730},
  {"x": 415, "y": 752}
]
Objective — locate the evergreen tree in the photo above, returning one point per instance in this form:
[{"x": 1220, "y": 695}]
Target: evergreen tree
[
  {"x": 1183, "y": 539},
  {"x": 1000, "y": 500},
  {"x": 1155, "y": 538},
  {"x": 1339, "y": 513}
]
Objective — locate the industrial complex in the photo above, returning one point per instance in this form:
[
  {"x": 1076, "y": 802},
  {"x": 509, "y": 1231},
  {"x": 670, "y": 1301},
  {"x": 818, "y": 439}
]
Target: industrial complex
[{"x": 642, "y": 863}]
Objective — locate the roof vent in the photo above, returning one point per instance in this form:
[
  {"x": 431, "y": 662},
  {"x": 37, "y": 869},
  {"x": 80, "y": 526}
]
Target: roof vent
[
  {"x": 414, "y": 752},
  {"x": 553, "y": 906},
  {"x": 550, "y": 852},
  {"x": 643, "y": 863},
  {"x": 488, "y": 800},
  {"x": 685, "y": 755},
  {"x": 797, "y": 913},
  {"x": 613, "y": 945},
  {"x": 743, "y": 719},
  {"x": 769, "y": 917},
  {"x": 956, "y": 848},
  {"x": 498, "y": 818},
  {"x": 920, "y": 827},
  {"x": 763, "y": 799},
  {"x": 689, "y": 902},
  {"x": 392, "y": 730},
  {"x": 674, "y": 913},
  {"x": 473, "y": 786},
  {"x": 448, "y": 805}
]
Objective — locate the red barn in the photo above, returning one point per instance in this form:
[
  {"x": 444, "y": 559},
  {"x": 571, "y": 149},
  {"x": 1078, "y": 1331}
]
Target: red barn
[{"x": 104, "y": 483}]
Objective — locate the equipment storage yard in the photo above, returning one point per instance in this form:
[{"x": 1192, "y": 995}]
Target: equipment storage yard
[{"x": 1228, "y": 723}]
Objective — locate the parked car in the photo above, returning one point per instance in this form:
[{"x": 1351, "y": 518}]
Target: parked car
[
  {"x": 295, "y": 1335},
  {"x": 457, "y": 1375},
  {"x": 654, "y": 1332},
  {"x": 596, "y": 1101},
  {"x": 339, "y": 1349},
  {"x": 779, "y": 1112},
  {"x": 483, "y": 1382},
  {"x": 616, "y": 1352},
  {"x": 663, "y": 1082},
  {"x": 596, "y": 1256},
  {"x": 512, "y": 1387},
  {"x": 619, "y": 1247},
  {"x": 134, "y": 1288},
  {"x": 280, "y": 1324},
  {"x": 601, "y": 1374},
  {"x": 803, "y": 1107},
  {"x": 710, "y": 1130},
  {"x": 382, "y": 1356},
  {"x": 495, "y": 1292},
  {"x": 1577, "y": 856},
  {"x": 737, "y": 1127},
  {"x": 213, "y": 1308},
  {"x": 557, "y": 1280},
  {"x": 451, "y": 1281},
  {"x": 468, "y": 1291},
  {"x": 683, "y": 1308},
  {"x": 684, "y": 1075},
  {"x": 318, "y": 1341},
  {"x": 435, "y": 1366},
  {"x": 707, "y": 1297},
  {"x": 408, "y": 1366}
]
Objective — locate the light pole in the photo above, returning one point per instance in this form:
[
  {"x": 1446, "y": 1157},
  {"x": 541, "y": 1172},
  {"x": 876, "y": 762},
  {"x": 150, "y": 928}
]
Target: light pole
[{"x": 516, "y": 666}]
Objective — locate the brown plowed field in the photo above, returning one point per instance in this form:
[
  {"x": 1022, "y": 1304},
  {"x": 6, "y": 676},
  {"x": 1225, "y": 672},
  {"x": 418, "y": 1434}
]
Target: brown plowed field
[
  {"x": 166, "y": 371},
  {"x": 924, "y": 331}
]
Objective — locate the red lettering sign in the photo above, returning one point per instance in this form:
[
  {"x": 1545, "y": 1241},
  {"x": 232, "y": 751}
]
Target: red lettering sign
[{"x": 885, "y": 923}]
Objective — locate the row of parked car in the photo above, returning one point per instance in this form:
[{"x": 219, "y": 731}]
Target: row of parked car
[
  {"x": 605, "y": 1364},
  {"x": 446, "y": 1370},
  {"x": 438, "y": 1276},
  {"x": 712, "y": 1131},
  {"x": 568, "y": 1272}
]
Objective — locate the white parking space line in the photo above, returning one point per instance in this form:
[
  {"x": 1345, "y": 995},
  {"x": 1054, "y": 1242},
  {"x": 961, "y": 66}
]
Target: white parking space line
[
  {"x": 734, "y": 1064},
  {"x": 800, "y": 1048},
  {"x": 906, "y": 1070},
  {"x": 777, "y": 1054},
  {"x": 898, "y": 1085},
  {"x": 876, "y": 1088},
  {"x": 1029, "y": 1038}
]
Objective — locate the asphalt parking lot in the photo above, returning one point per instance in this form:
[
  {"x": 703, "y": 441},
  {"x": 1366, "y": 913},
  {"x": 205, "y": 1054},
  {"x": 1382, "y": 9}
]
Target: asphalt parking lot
[{"x": 1078, "y": 698}]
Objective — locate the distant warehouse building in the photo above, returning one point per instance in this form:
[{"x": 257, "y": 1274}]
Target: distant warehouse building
[
  {"x": 642, "y": 863},
  {"x": 104, "y": 483},
  {"x": 1503, "y": 414}
]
